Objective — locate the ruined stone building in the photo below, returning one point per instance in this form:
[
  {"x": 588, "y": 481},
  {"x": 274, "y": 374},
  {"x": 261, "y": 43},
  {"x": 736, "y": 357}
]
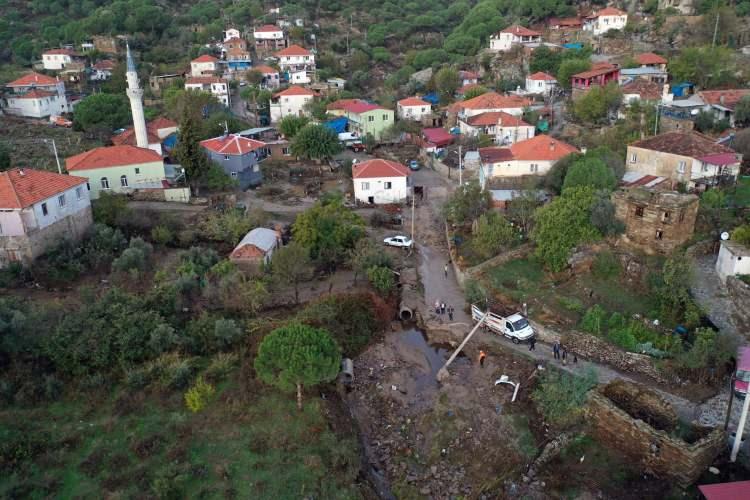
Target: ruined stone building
[{"x": 655, "y": 221}]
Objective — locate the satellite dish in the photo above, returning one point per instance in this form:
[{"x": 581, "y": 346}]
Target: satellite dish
[{"x": 725, "y": 236}]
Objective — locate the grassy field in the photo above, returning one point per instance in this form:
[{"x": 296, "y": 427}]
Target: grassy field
[
  {"x": 741, "y": 197},
  {"x": 247, "y": 444}
]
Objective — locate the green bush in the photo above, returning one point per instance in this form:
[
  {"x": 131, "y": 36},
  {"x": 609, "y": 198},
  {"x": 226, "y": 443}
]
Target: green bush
[
  {"x": 381, "y": 279},
  {"x": 162, "y": 235},
  {"x": 561, "y": 397},
  {"x": 199, "y": 395},
  {"x": 571, "y": 304},
  {"x": 593, "y": 320},
  {"x": 221, "y": 366},
  {"x": 134, "y": 259},
  {"x": 615, "y": 321},
  {"x": 623, "y": 338},
  {"x": 474, "y": 293},
  {"x": 606, "y": 266}
]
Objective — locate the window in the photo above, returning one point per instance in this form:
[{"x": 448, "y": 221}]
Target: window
[
  {"x": 385, "y": 118},
  {"x": 88, "y": 187},
  {"x": 1, "y": 229},
  {"x": 665, "y": 216},
  {"x": 704, "y": 167},
  {"x": 659, "y": 234},
  {"x": 44, "y": 209},
  {"x": 79, "y": 193},
  {"x": 61, "y": 200},
  {"x": 639, "y": 211},
  {"x": 681, "y": 217},
  {"x": 285, "y": 151},
  {"x": 105, "y": 183},
  {"x": 256, "y": 168},
  {"x": 533, "y": 168},
  {"x": 124, "y": 181},
  {"x": 365, "y": 186},
  {"x": 634, "y": 158},
  {"x": 226, "y": 157},
  {"x": 137, "y": 171},
  {"x": 387, "y": 185},
  {"x": 681, "y": 167},
  {"x": 370, "y": 118}
]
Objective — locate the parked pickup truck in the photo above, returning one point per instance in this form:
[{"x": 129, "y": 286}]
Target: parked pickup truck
[{"x": 515, "y": 326}]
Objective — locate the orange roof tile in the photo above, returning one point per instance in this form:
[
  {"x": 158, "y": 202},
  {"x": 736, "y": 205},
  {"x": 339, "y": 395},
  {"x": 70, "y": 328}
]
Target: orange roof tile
[
  {"x": 520, "y": 31},
  {"x": 112, "y": 156},
  {"x": 413, "y": 101},
  {"x": 31, "y": 79},
  {"x": 204, "y": 80},
  {"x": 33, "y": 94},
  {"x": 493, "y": 100},
  {"x": 161, "y": 122},
  {"x": 21, "y": 188},
  {"x": 232, "y": 144},
  {"x": 293, "y": 50},
  {"x": 379, "y": 168},
  {"x": 540, "y": 75},
  {"x": 64, "y": 52},
  {"x": 266, "y": 70},
  {"x": 542, "y": 148},
  {"x": 650, "y": 58},
  {"x": 205, "y": 58},
  {"x": 494, "y": 117},
  {"x": 104, "y": 65},
  {"x": 294, "y": 90},
  {"x": 726, "y": 98},
  {"x": 128, "y": 137},
  {"x": 268, "y": 28},
  {"x": 609, "y": 11}
]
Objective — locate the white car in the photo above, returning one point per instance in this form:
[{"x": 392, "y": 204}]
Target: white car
[
  {"x": 515, "y": 326},
  {"x": 398, "y": 241}
]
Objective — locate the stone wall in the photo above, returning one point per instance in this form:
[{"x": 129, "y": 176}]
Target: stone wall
[
  {"x": 595, "y": 349},
  {"x": 739, "y": 293},
  {"x": 657, "y": 451}
]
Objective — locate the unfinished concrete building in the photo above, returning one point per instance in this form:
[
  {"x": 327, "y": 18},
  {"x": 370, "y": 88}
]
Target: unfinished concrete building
[
  {"x": 655, "y": 221},
  {"x": 638, "y": 423}
]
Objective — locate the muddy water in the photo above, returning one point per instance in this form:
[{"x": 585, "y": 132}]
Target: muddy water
[{"x": 435, "y": 356}]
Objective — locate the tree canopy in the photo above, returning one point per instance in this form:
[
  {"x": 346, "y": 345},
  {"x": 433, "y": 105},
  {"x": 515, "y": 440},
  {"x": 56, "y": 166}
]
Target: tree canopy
[
  {"x": 291, "y": 124},
  {"x": 105, "y": 112},
  {"x": 297, "y": 355},
  {"x": 591, "y": 172},
  {"x": 315, "y": 142},
  {"x": 706, "y": 67}
]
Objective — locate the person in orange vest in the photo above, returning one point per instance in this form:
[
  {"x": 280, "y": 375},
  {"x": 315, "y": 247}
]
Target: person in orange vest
[{"x": 482, "y": 355}]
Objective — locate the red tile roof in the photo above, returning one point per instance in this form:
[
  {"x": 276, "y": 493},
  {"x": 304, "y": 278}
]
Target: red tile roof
[
  {"x": 493, "y": 117},
  {"x": 609, "y": 11},
  {"x": 33, "y": 94},
  {"x": 650, "y": 58},
  {"x": 647, "y": 90},
  {"x": 596, "y": 72},
  {"x": 356, "y": 106},
  {"x": 21, "y": 188},
  {"x": 438, "y": 136},
  {"x": 160, "y": 123},
  {"x": 232, "y": 144},
  {"x": 268, "y": 28},
  {"x": 31, "y": 79},
  {"x": 520, "y": 31},
  {"x": 104, "y": 65},
  {"x": 493, "y": 100},
  {"x": 726, "y": 491},
  {"x": 413, "y": 101},
  {"x": 128, "y": 137},
  {"x": 540, "y": 75},
  {"x": 495, "y": 154},
  {"x": 294, "y": 90},
  {"x": 468, "y": 75},
  {"x": 725, "y": 98},
  {"x": 691, "y": 144},
  {"x": 542, "y": 148},
  {"x": 567, "y": 21},
  {"x": 205, "y": 58},
  {"x": 204, "y": 80},
  {"x": 293, "y": 50},
  {"x": 379, "y": 168},
  {"x": 112, "y": 156},
  {"x": 266, "y": 70},
  {"x": 65, "y": 52}
]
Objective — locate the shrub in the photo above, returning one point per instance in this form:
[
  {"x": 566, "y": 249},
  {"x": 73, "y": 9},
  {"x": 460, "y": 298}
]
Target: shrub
[
  {"x": 606, "y": 266},
  {"x": 571, "y": 304},
  {"x": 561, "y": 397},
  {"x": 381, "y": 278},
  {"x": 199, "y": 395},
  {"x": 623, "y": 338},
  {"x": 221, "y": 366},
  {"x": 493, "y": 233},
  {"x": 741, "y": 234},
  {"x": 593, "y": 320},
  {"x": 162, "y": 235},
  {"x": 474, "y": 293},
  {"x": 133, "y": 259},
  {"x": 617, "y": 320}
]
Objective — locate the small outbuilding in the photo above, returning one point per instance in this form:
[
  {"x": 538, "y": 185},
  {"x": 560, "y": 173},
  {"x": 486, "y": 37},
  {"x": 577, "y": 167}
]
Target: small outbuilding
[
  {"x": 734, "y": 259},
  {"x": 256, "y": 248}
]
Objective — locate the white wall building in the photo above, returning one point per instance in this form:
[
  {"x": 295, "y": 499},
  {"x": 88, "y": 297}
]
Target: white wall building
[
  {"x": 534, "y": 156},
  {"x": 37, "y": 96},
  {"x": 290, "y": 102},
  {"x": 733, "y": 259},
  {"x": 231, "y": 33},
  {"x": 606, "y": 19},
  {"x": 295, "y": 61},
  {"x": 57, "y": 59},
  {"x": 513, "y": 35},
  {"x": 540, "y": 83},
  {"x": 205, "y": 65},
  {"x": 214, "y": 85},
  {"x": 381, "y": 181},
  {"x": 413, "y": 108}
]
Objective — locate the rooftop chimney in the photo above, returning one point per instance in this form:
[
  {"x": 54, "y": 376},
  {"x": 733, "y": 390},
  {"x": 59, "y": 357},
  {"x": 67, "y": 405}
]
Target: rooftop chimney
[
  {"x": 552, "y": 145},
  {"x": 20, "y": 172},
  {"x": 721, "y": 99}
]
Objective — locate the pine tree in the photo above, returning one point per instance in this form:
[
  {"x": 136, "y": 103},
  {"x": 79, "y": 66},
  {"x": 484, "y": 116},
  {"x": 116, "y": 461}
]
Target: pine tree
[{"x": 189, "y": 152}]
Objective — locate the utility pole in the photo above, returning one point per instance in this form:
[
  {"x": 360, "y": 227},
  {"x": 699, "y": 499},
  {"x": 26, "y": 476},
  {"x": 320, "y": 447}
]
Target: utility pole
[
  {"x": 57, "y": 158},
  {"x": 442, "y": 374},
  {"x": 716, "y": 26},
  {"x": 413, "y": 197},
  {"x": 460, "y": 166}
]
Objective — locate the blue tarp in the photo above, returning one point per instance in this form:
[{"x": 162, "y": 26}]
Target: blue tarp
[
  {"x": 338, "y": 125},
  {"x": 575, "y": 46},
  {"x": 432, "y": 98},
  {"x": 681, "y": 89},
  {"x": 170, "y": 141}
]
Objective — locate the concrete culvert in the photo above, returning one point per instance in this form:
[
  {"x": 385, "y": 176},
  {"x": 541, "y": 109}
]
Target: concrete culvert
[{"x": 405, "y": 313}]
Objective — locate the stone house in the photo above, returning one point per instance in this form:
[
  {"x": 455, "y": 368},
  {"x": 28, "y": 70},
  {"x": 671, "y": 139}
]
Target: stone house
[
  {"x": 37, "y": 210},
  {"x": 655, "y": 221},
  {"x": 269, "y": 38},
  {"x": 690, "y": 158},
  {"x": 238, "y": 156}
]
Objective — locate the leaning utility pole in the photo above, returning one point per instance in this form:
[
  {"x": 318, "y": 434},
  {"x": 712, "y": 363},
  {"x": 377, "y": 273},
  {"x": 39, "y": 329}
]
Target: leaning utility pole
[
  {"x": 443, "y": 372},
  {"x": 716, "y": 27}
]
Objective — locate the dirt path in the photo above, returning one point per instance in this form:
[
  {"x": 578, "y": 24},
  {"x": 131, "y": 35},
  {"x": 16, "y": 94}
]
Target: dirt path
[
  {"x": 433, "y": 256},
  {"x": 710, "y": 293}
]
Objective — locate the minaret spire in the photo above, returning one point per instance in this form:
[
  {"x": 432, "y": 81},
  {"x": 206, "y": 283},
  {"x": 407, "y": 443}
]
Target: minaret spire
[{"x": 135, "y": 94}]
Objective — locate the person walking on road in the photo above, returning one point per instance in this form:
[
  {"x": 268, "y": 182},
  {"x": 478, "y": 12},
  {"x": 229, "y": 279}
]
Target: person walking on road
[
  {"x": 482, "y": 355},
  {"x": 564, "y": 355},
  {"x": 556, "y": 350},
  {"x": 450, "y": 313},
  {"x": 437, "y": 307},
  {"x": 532, "y": 344},
  {"x": 442, "y": 308},
  {"x": 446, "y": 270}
]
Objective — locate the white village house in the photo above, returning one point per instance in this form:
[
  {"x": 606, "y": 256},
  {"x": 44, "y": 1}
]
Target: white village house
[
  {"x": 413, "y": 108},
  {"x": 57, "y": 59},
  {"x": 37, "y": 96},
  {"x": 218, "y": 87},
  {"x": 290, "y": 101},
  {"x": 534, "y": 156},
  {"x": 205, "y": 65},
  {"x": 540, "y": 83},
  {"x": 513, "y": 35},
  {"x": 604, "y": 20},
  {"x": 37, "y": 210},
  {"x": 381, "y": 181},
  {"x": 506, "y": 129},
  {"x": 298, "y": 63}
]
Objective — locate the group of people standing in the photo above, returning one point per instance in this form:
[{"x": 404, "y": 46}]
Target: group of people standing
[
  {"x": 560, "y": 352},
  {"x": 441, "y": 309}
]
